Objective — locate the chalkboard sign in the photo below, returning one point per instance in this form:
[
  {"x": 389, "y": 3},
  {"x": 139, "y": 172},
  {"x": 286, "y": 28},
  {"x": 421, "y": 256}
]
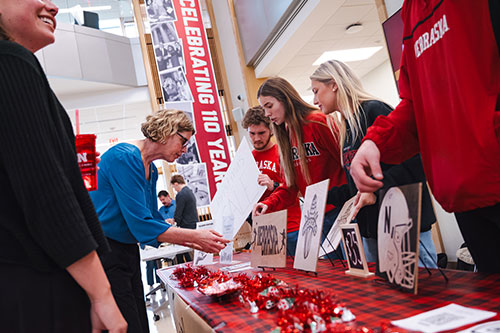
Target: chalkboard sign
[{"x": 353, "y": 246}]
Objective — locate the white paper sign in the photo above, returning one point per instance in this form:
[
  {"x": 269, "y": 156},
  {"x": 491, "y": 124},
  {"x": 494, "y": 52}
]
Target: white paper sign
[
  {"x": 200, "y": 257},
  {"x": 488, "y": 327},
  {"x": 445, "y": 318},
  {"x": 311, "y": 226},
  {"x": 226, "y": 255},
  {"x": 238, "y": 192},
  {"x": 332, "y": 240}
]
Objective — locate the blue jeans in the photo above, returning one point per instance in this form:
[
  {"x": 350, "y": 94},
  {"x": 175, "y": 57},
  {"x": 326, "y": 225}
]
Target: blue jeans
[
  {"x": 291, "y": 243},
  {"x": 151, "y": 267},
  {"x": 430, "y": 259}
]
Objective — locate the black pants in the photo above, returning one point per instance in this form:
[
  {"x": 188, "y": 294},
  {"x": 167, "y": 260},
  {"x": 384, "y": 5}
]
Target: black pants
[
  {"x": 481, "y": 231},
  {"x": 33, "y": 301},
  {"x": 122, "y": 266}
]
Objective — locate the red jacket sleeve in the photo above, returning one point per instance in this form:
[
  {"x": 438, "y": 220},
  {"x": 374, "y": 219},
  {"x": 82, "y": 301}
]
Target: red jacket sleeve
[{"x": 282, "y": 198}]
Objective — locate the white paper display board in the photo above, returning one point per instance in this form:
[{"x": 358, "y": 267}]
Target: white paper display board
[
  {"x": 311, "y": 225},
  {"x": 332, "y": 240},
  {"x": 238, "y": 192}
]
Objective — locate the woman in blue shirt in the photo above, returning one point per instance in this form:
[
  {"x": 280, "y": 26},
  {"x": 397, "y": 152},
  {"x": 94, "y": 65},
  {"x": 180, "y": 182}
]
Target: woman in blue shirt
[{"x": 128, "y": 210}]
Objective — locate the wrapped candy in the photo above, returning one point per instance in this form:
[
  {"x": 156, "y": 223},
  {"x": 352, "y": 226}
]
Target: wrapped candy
[
  {"x": 219, "y": 287},
  {"x": 310, "y": 311}
]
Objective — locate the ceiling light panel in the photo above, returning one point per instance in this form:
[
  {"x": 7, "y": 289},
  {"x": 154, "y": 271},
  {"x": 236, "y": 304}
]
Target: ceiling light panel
[{"x": 348, "y": 55}]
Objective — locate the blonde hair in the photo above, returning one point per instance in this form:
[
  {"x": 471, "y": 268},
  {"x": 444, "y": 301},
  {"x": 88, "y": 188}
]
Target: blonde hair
[
  {"x": 296, "y": 110},
  {"x": 350, "y": 95},
  {"x": 165, "y": 123}
]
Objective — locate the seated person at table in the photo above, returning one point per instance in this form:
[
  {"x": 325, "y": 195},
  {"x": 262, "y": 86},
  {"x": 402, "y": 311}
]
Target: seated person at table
[{"x": 128, "y": 209}]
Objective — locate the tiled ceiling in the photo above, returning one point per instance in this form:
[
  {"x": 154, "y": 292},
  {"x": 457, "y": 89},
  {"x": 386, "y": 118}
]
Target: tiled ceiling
[{"x": 332, "y": 36}]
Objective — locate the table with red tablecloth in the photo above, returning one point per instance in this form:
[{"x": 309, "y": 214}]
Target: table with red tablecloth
[{"x": 371, "y": 300}]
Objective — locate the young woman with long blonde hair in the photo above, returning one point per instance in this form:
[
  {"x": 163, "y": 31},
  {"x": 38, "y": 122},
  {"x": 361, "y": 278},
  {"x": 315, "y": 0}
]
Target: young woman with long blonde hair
[{"x": 336, "y": 88}]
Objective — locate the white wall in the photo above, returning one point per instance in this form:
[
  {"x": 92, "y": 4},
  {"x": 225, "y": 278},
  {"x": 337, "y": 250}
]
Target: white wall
[
  {"x": 393, "y": 6},
  {"x": 84, "y": 53},
  {"x": 380, "y": 83},
  {"x": 230, "y": 54}
]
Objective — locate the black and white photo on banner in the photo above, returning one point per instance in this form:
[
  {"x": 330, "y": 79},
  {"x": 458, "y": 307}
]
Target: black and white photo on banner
[
  {"x": 160, "y": 10},
  {"x": 191, "y": 155},
  {"x": 169, "y": 55},
  {"x": 163, "y": 33},
  {"x": 174, "y": 86},
  {"x": 195, "y": 175}
]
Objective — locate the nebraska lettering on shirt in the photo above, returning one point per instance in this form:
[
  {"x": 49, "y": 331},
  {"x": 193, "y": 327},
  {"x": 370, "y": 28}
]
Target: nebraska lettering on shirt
[
  {"x": 310, "y": 148},
  {"x": 347, "y": 157},
  {"x": 427, "y": 39},
  {"x": 266, "y": 165}
]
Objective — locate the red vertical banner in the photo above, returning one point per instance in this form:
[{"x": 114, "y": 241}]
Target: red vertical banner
[{"x": 211, "y": 136}]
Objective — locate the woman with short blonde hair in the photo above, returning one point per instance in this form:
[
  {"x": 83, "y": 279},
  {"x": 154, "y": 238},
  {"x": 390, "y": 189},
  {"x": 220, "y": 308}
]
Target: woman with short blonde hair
[{"x": 127, "y": 206}]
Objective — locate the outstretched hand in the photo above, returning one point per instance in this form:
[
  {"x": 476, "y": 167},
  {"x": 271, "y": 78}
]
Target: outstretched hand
[
  {"x": 208, "y": 241},
  {"x": 365, "y": 168}
]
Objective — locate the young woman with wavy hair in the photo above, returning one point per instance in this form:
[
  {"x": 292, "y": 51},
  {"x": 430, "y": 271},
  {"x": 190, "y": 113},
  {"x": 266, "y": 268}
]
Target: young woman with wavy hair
[{"x": 308, "y": 148}]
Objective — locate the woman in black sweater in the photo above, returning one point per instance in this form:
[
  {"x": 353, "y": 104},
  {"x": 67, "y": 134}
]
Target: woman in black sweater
[
  {"x": 337, "y": 88},
  {"x": 52, "y": 279}
]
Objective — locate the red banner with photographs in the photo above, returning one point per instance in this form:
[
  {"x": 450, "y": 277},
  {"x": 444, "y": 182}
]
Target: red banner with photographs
[{"x": 188, "y": 83}]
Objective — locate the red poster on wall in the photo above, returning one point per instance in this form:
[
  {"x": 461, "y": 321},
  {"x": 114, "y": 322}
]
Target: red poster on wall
[{"x": 188, "y": 83}]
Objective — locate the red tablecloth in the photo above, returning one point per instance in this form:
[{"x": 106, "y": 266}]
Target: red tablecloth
[{"x": 370, "y": 300}]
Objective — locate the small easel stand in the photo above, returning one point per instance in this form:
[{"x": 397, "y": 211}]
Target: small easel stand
[
  {"x": 339, "y": 255},
  {"x": 428, "y": 270},
  {"x": 355, "y": 252}
]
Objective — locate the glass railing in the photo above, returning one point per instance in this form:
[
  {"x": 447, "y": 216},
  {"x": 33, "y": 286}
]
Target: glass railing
[{"x": 113, "y": 16}]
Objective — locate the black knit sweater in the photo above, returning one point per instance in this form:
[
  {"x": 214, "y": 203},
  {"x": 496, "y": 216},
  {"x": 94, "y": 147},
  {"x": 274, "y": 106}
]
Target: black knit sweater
[{"x": 47, "y": 220}]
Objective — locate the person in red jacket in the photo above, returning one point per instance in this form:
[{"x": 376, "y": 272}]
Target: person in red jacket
[
  {"x": 267, "y": 156},
  {"x": 449, "y": 83},
  {"x": 308, "y": 148}
]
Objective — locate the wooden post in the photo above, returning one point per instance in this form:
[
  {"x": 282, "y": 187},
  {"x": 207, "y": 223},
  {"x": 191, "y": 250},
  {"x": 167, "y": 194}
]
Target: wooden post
[{"x": 148, "y": 55}]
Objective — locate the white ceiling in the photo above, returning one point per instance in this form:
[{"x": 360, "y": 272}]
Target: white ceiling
[
  {"x": 122, "y": 120},
  {"x": 332, "y": 36}
]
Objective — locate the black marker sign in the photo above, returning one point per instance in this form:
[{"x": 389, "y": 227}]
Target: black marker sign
[{"x": 353, "y": 246}]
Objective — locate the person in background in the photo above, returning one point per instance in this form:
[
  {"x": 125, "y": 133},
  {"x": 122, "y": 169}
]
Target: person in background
[
  {"x": 308, "y": 149},
  {"x": 168, "y": 209},
  {"x": 267, "y": 156},
  {"x": 450, "y": 113},
  {"x": 337, "y": 88},
  {"x": 51, "y": 277},
  {"x": 186, "y": 214},
  {"x": 127, "y": 207},
  {"x": 167, "y": 212}
]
